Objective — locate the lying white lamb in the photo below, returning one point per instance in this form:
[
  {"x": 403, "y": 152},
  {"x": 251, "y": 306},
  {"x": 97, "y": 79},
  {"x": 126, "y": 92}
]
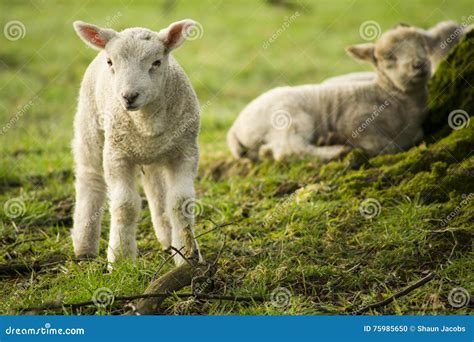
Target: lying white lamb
[
  {"x": 381, "y": 114},
  {"x": 137, "y": 111}
]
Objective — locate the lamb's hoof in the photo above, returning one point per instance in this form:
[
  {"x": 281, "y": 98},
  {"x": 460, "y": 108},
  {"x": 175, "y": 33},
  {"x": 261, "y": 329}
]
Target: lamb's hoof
[
  {"x": 266, "y": 152},
  {"x": 345, "y": 150},
  {"x": 86, "y": 256}
]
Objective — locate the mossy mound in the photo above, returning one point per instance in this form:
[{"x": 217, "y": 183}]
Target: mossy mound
[
  {"x": 451, "y": 88},
  {"x": 430, "y": 173}
]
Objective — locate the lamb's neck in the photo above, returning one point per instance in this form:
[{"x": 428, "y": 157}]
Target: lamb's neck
[
  {"x": 150, "y": 120},
  {"x": 385, "y": 84},
  {"x": 411, "y": 102},
  {"x": 412, "y": 93}
]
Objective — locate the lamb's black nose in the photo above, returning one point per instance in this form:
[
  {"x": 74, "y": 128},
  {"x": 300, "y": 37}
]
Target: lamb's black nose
[{"x": 130, "y": 97}]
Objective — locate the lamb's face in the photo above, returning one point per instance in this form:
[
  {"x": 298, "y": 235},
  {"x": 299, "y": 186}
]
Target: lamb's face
[
  {"x": 137, "y": 61},
  {"x": 136, "y": 58},
  {"x": 403, "y": 56}
]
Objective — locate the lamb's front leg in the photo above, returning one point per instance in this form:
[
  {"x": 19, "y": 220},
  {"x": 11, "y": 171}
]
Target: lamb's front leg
[
  {"x": 124, "y": 208},
  {"x": 180, "y": 207},
  {"x": 155, "y": 191},
  {"x": 90, "y": 196},
  {"x": 90, "y": 189}
]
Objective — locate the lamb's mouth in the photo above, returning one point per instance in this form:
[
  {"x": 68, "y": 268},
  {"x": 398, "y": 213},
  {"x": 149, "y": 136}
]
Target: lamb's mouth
[
  {"x": 421, "y": 75},
  {"x": 132, "y": 108}
]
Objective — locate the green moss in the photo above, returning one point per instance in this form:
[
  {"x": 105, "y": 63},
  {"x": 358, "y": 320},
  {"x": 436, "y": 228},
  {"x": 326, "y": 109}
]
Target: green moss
[
  {"x": 451, "y": 87},
  {"x": 429, "y": 173}
]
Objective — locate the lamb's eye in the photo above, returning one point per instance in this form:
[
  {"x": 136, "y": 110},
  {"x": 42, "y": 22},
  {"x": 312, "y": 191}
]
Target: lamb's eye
[
  {"x": 109, "y": 62},
  {"x": 391, "y": 58},
  {"x": 156, "y": 63}
]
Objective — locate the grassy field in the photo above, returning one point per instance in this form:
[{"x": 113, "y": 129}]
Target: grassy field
[{"x": 295, "y": 229}]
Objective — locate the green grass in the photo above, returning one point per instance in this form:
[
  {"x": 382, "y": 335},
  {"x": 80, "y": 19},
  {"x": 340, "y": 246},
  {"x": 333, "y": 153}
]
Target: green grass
[{"x": 296, "y": 225}]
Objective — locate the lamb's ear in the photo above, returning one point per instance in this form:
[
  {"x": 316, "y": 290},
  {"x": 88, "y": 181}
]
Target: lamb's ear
[
  {"x": 363, "y": 52},
  {"x": 433, "y": 43},
  {"x": 402, "y": 25},
  {"x": 94, "y": 36},
  {"x": 174, "y": 35},
  {"x": 445, "y": 34}
]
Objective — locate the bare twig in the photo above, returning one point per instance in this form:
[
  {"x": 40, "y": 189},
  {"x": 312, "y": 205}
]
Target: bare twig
[
  {"x": 202, "y": 296},
  {"x": 178, "y": 251},
  {"x": 13, "y": 245},
  {"x": 164, "y": 263},
  {"x": 216, "y": 260},
  {"x": 18, "y": 268},
  {"x": 216, "y": 226},
  {"x": 390, "y": 299}
]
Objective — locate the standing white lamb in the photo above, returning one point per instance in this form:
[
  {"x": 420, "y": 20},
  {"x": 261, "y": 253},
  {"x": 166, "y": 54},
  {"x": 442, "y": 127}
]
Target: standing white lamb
[
  {"x": 137, "y": 111},
  {"x": 381, "y": 114}
]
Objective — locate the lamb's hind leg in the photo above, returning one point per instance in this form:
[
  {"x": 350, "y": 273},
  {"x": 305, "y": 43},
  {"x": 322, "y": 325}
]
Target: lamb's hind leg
[
  {"x": 329, "y": 153},
  {"x": 296, "y": 145},
  {"x": 153, "y": 184},
  {"x": 90, "y": 196}
]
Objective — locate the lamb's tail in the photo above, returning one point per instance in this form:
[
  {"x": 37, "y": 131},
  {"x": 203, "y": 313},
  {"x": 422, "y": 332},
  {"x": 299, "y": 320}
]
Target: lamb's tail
[{"x": 235, "y": 145}]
